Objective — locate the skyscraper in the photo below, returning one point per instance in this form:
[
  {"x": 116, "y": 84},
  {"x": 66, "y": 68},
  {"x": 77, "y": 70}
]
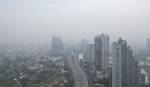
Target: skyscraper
[
  {"x": 57, "y": 45},
  {"x": 90, "y": 53},
  {"x": 148, "y": 44},
  {"x": 124, "y": 66},
  {"x": 116, "y": 65},
  {"x": 148, "y": 47},
  {"x": 123, "y": 52},
  {"x": 84, "y": 44},
  {"x": 102, "y": 52}
]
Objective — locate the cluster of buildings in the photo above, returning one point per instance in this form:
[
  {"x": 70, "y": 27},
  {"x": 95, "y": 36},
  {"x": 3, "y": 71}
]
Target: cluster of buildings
[
  {"x": 117, "y": 64},
  {"x": 145, "y": 71},
  {"x": 31, "y": 67},
  {"x": 143, "y": 57}
]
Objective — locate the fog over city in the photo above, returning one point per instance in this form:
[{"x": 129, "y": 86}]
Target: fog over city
[
  {"x": 36, "y": 21},
  {"x": 74, "y": 43}
]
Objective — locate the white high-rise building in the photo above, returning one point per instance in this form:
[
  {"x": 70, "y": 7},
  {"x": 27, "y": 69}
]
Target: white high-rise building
[{"x": 116, "y": 65}]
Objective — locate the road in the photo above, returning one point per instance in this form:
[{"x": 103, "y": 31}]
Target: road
[
  {"x": 18, "y": 83},
  {"x": 79, "y": 75}
]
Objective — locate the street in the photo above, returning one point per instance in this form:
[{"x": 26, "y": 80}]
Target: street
[{"x": 79, "y": 75}]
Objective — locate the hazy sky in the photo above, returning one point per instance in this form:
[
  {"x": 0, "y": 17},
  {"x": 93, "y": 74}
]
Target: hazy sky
[{"x": 35, "y": 21}]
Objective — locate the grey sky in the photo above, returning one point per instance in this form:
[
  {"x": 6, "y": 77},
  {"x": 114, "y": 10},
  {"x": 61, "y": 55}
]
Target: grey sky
[{"x": 35, "y": 21}]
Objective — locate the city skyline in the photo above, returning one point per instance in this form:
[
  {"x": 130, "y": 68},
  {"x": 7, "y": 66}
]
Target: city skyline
[{"x": 74, "y": 43}]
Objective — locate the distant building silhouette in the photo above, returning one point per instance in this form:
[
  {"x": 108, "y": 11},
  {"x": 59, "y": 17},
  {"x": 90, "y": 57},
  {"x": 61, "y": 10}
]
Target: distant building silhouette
[
  {"x": 57, "y": 45},
  {"x": 102, "y": 56},
  {"x": 90, "y": 53},
  {"x": 148, "y": 47},
  {"x": 148, "y": 43},
  {"x": 102, "y": 52},
  {"x": 84, "y": 44}
]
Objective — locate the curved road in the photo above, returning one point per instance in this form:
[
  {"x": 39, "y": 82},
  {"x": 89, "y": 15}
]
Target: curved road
[{"x": 79, "y": 75}]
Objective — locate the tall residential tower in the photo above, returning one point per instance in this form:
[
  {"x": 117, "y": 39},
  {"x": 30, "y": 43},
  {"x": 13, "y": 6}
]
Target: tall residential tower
[
  {"x": 124, "y": 65},
  {"x": 116, "y": 65},
  {"x": 57, "y": 45},
  {"x": 102, "y": 52}
]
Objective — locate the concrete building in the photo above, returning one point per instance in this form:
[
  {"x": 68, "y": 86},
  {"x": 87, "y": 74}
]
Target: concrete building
[
  {"x": 148, "y": 44},
  {"x": 125, "y": 70},
  {"x": 132, "y": 68},
  {"x": 84, "y": 44},
  {"x": 57, "y": 45},
  {"x": 90, "y": 53},
  {"x": 116, "y": 65},
  {"x": 102, "y": 52}
]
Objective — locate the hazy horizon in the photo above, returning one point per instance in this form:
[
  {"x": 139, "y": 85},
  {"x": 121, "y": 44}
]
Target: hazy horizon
[{"x": 36, "y": 21}]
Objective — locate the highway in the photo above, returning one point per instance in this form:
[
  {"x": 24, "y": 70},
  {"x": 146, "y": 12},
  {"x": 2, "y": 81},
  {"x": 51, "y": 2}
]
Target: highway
[{"x": 79, "y": 75}]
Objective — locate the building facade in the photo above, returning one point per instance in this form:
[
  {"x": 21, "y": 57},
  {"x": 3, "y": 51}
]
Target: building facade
[
  {"x": 57, "y": 45},
  {"x": 90, "y": 53},
  {"x": 102, "y": 53},
  {"x": 148, "y": 43},
  {"x": 116, "y": 65},
  {"x": 124, "y": 67}
]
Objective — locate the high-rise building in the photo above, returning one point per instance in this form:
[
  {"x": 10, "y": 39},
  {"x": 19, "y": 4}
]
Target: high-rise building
[
  {"x": 57, "y": 45},
  {"x": 84, "y": 44},
  {"x": 90, "y": 53},
  {"x": 148, "y": 44},
  {"x": 116, "y": 65},
  {"x": 136, "y": 72},
  {"x": 148, "y": 47},
  {"x": 102, "y": 52},
  {"x": 129, "y": 66},
  {"x": 124, "y": 53},
  {"x": 124, "y": 67}
]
